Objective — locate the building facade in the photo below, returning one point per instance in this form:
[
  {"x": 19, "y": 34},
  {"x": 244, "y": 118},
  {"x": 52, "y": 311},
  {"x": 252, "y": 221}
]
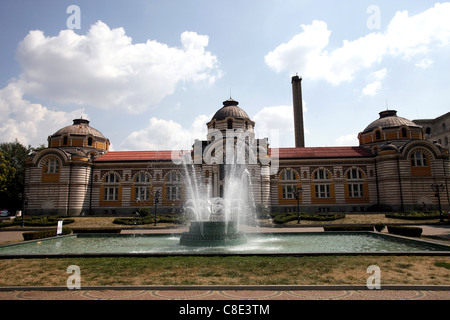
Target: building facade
[{"x": 393, "y": 168}]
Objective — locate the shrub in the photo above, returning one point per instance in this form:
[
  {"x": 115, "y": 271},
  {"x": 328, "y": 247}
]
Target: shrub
[
  {"x": 413, "y": 215},
  {"x": 281, "y": 218},
  {"x": 143, "y": 212},
  {"x": 42, "y": 221},
  {"x": 44, "y": 234},
  {"x": 405, "y": 231},
  {"x": 176, "y": 219},
  {"x": 349, "y": 228},
  {"x": 133, "y": 221},
  {"x": 6, "y": 223},
  {"x": 379, "y": 227}
]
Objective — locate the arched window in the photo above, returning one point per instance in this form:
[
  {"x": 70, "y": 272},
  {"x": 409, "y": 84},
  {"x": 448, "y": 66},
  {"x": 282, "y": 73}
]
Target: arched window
[
  {"x": 288, "y": 175},
  {"x": 111, "y": 178},
  {"x": 321, "y": 174}
]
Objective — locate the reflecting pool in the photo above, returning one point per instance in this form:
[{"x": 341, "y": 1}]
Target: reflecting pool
[{"x": 257, "y": 243}]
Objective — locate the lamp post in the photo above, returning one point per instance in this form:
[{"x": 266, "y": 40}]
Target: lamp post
[
  {"x": 438, "y": 188},
  {"x": 21, "y": 199},
  {"x": 156, "y": 203},
  {"x": 297, "y": 192}
]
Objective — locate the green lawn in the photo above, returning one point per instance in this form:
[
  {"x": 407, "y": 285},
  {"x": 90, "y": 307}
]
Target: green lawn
[{"x": 232, "y": 270}]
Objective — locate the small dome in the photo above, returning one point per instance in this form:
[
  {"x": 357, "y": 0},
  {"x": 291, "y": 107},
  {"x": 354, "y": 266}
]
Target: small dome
[
  {"x": 230, "y": 109},
  {"x": 389, "y": 119},
  {"x": 79, "y": 127}
]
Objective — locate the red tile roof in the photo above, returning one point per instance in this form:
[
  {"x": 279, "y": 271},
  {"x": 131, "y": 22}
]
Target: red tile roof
[
  {"x": 141, "y": 155},
  {"x": 283, "y": 153},
  {"x": 322, "y": 152}
]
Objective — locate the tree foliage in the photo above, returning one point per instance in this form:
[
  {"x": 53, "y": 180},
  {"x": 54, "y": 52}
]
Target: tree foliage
[{"x": 13, "y": 156}]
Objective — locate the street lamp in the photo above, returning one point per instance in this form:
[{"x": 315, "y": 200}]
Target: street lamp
[
  {"x": 21, "y": 199},
  {"x": 156, "y": 203},
  {"x": 297, "y": 192},
  {"x": 438, "y": 188}
]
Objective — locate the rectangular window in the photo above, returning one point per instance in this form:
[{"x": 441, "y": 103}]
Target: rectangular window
[
  {"x": 288, "y": 191},
  {"x": 418, "y": 159},
  {"x": 142, "y": 193},
  {"x": 111, "y": 194},
  {"x": 323, "y": 191},
  {"x": 52, "y": 166},
  {"x": 355, "y": 190},
  {"x": 173, "y": 193}
]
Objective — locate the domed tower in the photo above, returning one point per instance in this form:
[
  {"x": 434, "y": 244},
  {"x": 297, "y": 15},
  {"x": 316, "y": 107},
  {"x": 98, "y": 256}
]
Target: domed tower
[
  {"x": 391, "y": 130},
  {"x": 59, "y": 178},
  {"x": 230, "y": 117},
  {"x": 79, "y": 138},
  {"x": 231, "y": 140}
]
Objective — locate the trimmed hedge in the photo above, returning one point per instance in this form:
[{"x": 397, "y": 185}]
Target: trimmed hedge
[
  {"x": 6, "y": 223},
  {"x": 405, "y": 231},
  {"x": 176, "y": 219},
  {"x": 281, "y": 218},
  {"x": 44, "y": 234},
  {"x": 42, "y": 221},
  {"x": 349, "y": 228},
  {"x": 413, "y": 215}
]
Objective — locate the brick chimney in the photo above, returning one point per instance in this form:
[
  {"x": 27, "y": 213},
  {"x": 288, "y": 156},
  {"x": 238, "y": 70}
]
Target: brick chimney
[{"x": 298, "y": 111}]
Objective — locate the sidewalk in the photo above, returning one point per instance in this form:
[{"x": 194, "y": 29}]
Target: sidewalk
[
  {"x": 321, "y": 293},
  {"x": 438, "y": 231}
]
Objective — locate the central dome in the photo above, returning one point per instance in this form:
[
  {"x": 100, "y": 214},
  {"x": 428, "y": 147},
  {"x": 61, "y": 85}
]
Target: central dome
[
  {"x": 79, "y": 127},
  {"x": 389, "y": 119},
  {"x": 230, "y": 109}
]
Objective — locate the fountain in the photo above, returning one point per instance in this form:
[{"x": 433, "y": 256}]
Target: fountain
[{"x": 216, "y": 221}]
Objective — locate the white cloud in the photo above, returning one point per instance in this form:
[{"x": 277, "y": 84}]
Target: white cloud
[
  {"x": 278, "y": 118},
  {"x": 29, "y": 123},
  {"x": 163, "y": 134},
  {"x": 105, "y": 69},
  {"x": 424, "y": 63},
  {"x": 347, "y": 140},
  {"x": 372, "y": 88},
  {"x": 277, "y": 124},
  {"x": 405, "y": 37}
]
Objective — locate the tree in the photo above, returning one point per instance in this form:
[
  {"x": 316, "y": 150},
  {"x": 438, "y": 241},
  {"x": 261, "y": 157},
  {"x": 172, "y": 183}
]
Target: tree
[
  {"x": 7, "y": 174},
  {"x": 12, "y": 174}
]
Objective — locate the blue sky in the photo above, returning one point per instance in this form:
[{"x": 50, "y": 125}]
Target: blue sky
[{"x": 150, "y": 74}]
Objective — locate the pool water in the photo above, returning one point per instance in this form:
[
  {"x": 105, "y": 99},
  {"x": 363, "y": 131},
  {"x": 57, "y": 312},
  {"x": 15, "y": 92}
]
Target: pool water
[{"x": 280, "y": 243}]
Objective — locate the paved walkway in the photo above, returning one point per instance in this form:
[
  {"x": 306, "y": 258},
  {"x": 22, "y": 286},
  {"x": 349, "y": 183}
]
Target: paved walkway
[{"x": 323, "y": 294}]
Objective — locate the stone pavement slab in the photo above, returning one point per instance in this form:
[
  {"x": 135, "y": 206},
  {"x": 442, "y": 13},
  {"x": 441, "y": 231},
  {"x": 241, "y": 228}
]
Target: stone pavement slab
[{"x": 205, "y": 295}]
